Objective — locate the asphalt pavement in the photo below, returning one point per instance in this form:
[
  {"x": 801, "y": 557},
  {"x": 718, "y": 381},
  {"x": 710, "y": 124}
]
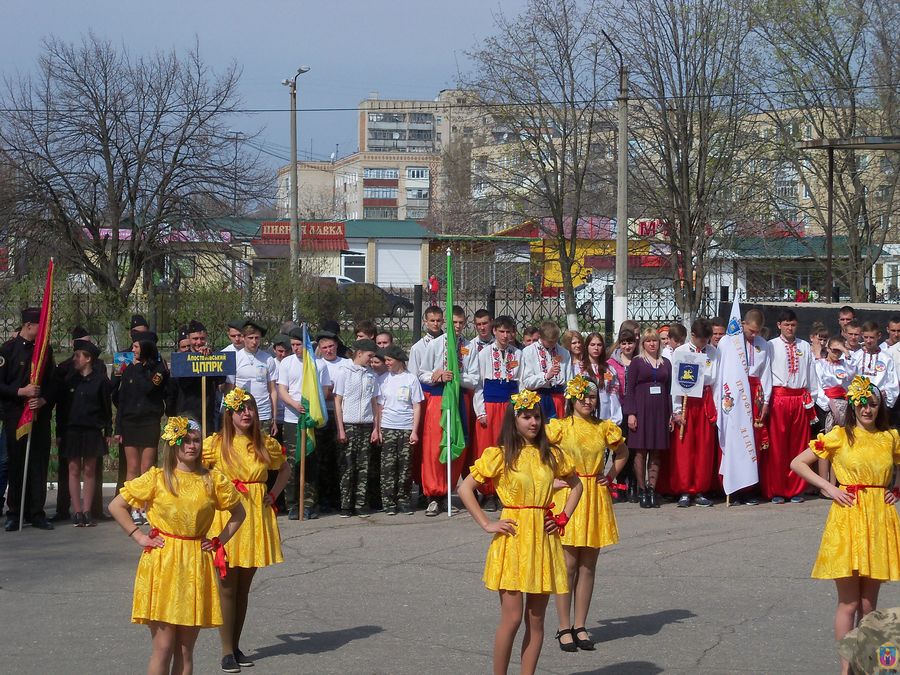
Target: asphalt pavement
[{"x": 715, "y": 590}]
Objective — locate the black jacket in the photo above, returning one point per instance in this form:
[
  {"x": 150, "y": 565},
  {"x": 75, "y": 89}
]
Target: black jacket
[
  {"x": 85, "y": 402},
  {"x": 185, "y": 395},
  {"x": 15, "y": 373},
  {"x": 140, "y": 394}
]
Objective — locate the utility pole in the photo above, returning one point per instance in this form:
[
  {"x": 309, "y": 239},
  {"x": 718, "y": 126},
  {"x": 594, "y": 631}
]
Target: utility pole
[
  {"x": 296, "y": 234},
  {"x": 620, "y": 290}
]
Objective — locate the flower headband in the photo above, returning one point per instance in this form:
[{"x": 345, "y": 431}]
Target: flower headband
[
  {"x": 861, "y": 391},
  {"x": 234, "y": 400},
  {"x": 579, "y": 387},
  {"x": 177, "y": 428},
  {"x": 525, "y": 400}
]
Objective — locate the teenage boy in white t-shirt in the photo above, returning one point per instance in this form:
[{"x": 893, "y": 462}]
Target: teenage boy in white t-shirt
[
  {"x": 400, "y": 397},
  {"x": 256, "y": 372}
]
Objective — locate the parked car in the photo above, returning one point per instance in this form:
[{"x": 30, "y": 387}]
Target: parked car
[
  {"x": 337, "y": 279},
  {"x": 367, "y": 300}
]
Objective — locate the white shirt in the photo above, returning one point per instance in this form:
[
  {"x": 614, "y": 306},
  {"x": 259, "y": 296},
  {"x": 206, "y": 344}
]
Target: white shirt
[
  {"x": 537, "y": 360},
  {"x": 759, "y": 364},
  {"x": 253, "y": 372},
  {"x": 357, "y": 387},
  {"x": 879, "y": 368},
  {"x": 417, "y": 356},
  {"x": 832, "y": 374},
  {"x": 436, "y": 358},
  {"x": 804, "y": 369},
  {"x": 397, "y": 394},
  {"x": 332, "y": 367},
  {"x": 279, "y": 413},
  {"x": 709, "y": 374},
  {"x": 290, "y": 374},
  {"x": 229, "y": 348},
  {"x": 491, "y": 364}
]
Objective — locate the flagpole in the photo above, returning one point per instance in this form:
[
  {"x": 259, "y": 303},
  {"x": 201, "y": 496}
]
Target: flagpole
[
  {"x": 449, "y": 462},
  {"x": 24, "y": 482},
  {"x": 301, "y": 432}
]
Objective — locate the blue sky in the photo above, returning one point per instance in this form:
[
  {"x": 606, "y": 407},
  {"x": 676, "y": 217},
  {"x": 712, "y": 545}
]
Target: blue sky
[{"x": 400, "y": 48}]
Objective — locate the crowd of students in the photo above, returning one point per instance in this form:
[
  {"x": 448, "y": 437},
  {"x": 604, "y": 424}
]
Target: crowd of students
[{"x": 552, "y": 420}]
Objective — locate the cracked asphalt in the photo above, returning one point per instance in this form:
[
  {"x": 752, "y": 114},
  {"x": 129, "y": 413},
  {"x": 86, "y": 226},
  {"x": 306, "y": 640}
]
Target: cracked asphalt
[{"x": 686, "y": 591}]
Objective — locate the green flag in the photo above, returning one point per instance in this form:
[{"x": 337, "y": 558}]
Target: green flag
[{"x": 451, "y": 422}]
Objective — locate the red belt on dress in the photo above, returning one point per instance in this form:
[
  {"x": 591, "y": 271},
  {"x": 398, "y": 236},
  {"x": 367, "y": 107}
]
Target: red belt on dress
[
  {"x": 218, "y": 559},
  {"x": 560, "y": 520},
  {"x": 835, "y": 392},
  {"x": 241, "y": 486}
]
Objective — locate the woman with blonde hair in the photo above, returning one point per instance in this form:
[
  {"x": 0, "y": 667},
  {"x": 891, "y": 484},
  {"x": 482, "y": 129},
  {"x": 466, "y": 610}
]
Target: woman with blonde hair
[
  {"x": 648, "y": 409},
  {"x": 573, "y": 341},
  {"x": 175, "y": 590},
  {"x": 245, "y": 455}
]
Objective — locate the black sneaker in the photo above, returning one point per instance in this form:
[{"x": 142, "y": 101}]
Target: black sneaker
[
  {"x": 230, "y": 664},
  {"x": 242, "y": 659},
  {"x": 345, "y": 513},
  {"x": 294, "y": 513}
]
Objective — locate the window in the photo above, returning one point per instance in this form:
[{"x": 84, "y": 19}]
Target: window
[
  {"x": 381, "y": 173},
  {"x": 379, "y": 193},
  {"x": 393, "y": 118},
  {"x": 183, "y": 266},
  {"x": 389, "y": 134},
  {"x": 417, "y": 193},
  {"x": 807, "y": 193},
  {"x": 420, "y": 134},
  {"x": 416, "y": 214},
  {"x": 353, "y": 265},
  {"x": 416, "y": 173},
  {"x": 380, "y": 213},
  {"x": 421, "y": 118}
]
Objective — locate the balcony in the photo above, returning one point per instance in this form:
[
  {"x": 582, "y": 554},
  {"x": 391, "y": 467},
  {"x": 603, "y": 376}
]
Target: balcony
[{"x": 417, "y": 203}]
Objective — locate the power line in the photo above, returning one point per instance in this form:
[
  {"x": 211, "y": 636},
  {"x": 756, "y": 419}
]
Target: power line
[{"x": 439, "y": 106}]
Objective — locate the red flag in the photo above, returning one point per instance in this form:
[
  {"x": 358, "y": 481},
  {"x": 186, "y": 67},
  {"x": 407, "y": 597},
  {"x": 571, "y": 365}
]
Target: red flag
[{"x": 41, "y": 349}]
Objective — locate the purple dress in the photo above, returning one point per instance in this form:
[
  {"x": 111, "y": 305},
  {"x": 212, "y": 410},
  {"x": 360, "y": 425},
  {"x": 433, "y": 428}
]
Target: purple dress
[{"x": 652, "y": 410}]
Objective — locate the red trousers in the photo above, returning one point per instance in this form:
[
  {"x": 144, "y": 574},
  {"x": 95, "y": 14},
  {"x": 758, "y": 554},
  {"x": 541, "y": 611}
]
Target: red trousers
[
  {"x": 688, "y": 466},
  {"x": 434, "y": 472},
  {"x": 789, "y": 434},
  {"x": 489, "y": 436}
]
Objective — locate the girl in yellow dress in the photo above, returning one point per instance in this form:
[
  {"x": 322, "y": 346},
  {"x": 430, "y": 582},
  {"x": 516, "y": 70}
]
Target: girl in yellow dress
[
  {"x": 175, "y": 590},
  {"x": 861, "y": 543},
  {"x": 245, "y": 455},
  {"x": 525, "y": 559},
  {"x": 586, "y": 440}
]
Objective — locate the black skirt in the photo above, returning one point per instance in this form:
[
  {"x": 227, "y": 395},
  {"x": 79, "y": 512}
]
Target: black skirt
[
  {"x": 83, "y": 442},
  {"x": 142, "y": 435}
]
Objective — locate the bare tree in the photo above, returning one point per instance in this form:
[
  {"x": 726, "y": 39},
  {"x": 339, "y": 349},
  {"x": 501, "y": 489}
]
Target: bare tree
[
  {"x": 542, "y": 76},
  {"x": 688, "y": 141},
  {"x": 832, "y": 70},
  {"x": 116, "y": 156}
]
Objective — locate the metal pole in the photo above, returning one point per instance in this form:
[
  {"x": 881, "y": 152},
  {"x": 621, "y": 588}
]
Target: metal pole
[
  {"x": 829, "y": 230},
  {"x": 620, "y": 299},
  {"x": 295, "y": 225}
]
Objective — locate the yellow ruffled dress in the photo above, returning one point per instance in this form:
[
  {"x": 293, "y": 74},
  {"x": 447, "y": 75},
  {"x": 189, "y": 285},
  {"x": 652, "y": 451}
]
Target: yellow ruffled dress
[
  {"x": 865, "y": 537},
  {"x": 258, "y": 542},
  {"x": 532, "y": 560},
  {"x": 593, "y": 524},
  {"x": 176, "y": 584}
]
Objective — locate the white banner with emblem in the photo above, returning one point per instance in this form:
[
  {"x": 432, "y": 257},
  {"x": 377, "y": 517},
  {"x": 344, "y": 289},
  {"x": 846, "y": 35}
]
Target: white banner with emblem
[{"x": 688, "y": 371}]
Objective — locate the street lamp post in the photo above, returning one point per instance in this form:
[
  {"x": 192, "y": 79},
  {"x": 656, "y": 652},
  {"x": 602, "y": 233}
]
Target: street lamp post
[
  {"x": 295, "y": 224},
  {"x": 620, "y": 292}
]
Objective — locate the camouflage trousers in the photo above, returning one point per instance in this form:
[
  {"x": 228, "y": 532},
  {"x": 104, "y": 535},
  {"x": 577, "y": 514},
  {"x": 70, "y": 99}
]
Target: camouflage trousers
[
  {"x": 355, "y": 466},
  {"x": 311, "y": 472},
  {"x": 396, "y": 469}
]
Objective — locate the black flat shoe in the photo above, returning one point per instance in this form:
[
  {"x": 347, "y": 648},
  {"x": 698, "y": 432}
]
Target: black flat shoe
[
  {"x": 41, "y": 524},
  {"x": 586, "y": 645},
  {"x": 242, "y": 659},
  {"x": 654, "y": 499},
  {"x": 230, "y": 664},
  {"x": 566, "y": 647},
  {"x": 77, "y": 519},
  {"x": 633, "y": 493},
  {"x": 294, "y": 513},
  {"x": 11, "y": 525},
  {"x": 86, "y": 520},
  {"x": 645, "y": 500}
]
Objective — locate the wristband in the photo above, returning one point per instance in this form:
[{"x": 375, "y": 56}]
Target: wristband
[
  {"x": 896, "y": 492},
  {"x": 273, "y": 505},
  {"x": 136, "y": 528},
  {"x": 215, "y": 543},
  {"x": 561, "y": 521}
]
